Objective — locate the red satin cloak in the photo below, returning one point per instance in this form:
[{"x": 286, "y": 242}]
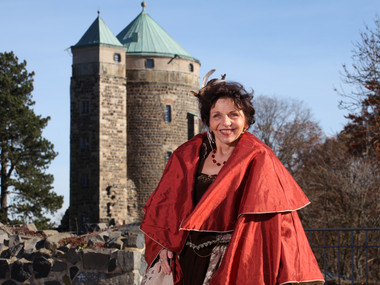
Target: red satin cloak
[{"x": 254, "y": 196}]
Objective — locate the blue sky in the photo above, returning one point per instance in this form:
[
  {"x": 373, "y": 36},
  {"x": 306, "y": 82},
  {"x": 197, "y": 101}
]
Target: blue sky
[{"x": 286, "y": 48}]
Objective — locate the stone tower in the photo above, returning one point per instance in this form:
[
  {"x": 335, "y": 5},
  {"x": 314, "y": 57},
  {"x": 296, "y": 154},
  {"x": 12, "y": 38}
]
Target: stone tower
[
  {"x": 130, "y": 108},
  {"x": 162, "y": 114}
]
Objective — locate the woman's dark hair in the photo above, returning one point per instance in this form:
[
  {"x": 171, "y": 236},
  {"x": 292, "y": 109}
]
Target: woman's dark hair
[{"x": 213, "y": 91}]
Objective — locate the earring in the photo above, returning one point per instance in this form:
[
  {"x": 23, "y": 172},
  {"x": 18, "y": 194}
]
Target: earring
[{"x": 210, "y": 139}]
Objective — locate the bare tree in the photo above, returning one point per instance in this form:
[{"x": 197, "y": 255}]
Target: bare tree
[
  {"x": 362, "y": 99},
  {"x": 287, "y": 127},
  {"x": 343, "y": 189}
]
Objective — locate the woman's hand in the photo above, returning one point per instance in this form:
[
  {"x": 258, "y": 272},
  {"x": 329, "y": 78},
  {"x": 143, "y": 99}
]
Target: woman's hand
[{"x": 165, "y": 255}]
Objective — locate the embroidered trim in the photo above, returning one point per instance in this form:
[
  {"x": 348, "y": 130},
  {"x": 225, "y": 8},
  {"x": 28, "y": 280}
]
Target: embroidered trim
[{"x": 221, "y": 239}]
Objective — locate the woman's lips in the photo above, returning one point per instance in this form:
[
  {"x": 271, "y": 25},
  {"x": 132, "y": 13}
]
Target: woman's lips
[{"x": 226, "y": 132}]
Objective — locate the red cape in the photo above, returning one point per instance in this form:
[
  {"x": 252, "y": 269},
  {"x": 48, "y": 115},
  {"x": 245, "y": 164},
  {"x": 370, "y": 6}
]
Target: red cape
[{"x": 254, "y": 196}]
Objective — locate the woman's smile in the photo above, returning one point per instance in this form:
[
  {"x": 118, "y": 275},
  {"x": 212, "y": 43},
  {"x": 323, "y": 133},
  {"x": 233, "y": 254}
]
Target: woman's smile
[{"x": 227, "y": 122}]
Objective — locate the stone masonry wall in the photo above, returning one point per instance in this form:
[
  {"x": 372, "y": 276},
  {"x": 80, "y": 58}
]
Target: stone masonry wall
[
  {"x": 151, "y": 138},
  {"x": 108, "y": 256}
]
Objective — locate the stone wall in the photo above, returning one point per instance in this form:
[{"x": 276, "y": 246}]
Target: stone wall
[
  {"x": 107, "y": 256},
  {"x": 151, "y": 137}
]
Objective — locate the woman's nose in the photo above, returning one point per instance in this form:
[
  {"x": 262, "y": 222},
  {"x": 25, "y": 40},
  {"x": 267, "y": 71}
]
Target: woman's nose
[{"x": 226, "y": 121}]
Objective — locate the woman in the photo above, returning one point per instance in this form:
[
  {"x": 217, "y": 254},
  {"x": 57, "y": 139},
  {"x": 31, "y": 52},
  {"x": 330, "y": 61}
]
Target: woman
[{"x": 224, "y": 211}]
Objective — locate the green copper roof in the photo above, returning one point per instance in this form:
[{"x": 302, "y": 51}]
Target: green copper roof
[
  {"x": 143, "y": 36},
  {"x": 98, "y": 33}
]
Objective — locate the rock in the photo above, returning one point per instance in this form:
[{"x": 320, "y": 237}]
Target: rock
[
  {"x": 112, "y": 265},
  {"x": 52, "y": 242},
  {"x": 32, "y": 227},
  {"x": 59, "y": 266},
  {"x": 3, "y": 236},
  {"x": 114, "y": 234},
  {"x": 40, "y": 244},
  {"x": 66, "y": 280},
  {"x": 102, "y": 226},
  {"x": 73, "y": 271},
  {"x": 44, "y": 252},
  {"x": 72, "y": 256},
  {"x": 4, "y": 268},
  {"x": 41, "y": 267},
  {"x": 13, "y": 240},
  {"x": 52, "y": 283},
  {"x": 136, "y": 240},
  {"x": 94, "y": 239},
  {"x": 126, "y": 260},
  {"x": 50, "y": 233},
  {"x": 20, "y": 271},
  {"x": 96, "y": 259},
  {"x": 30, "y": 243},
  {"x": 9, "y": 282},
  {"x": 117, "y": 242},
  {"x": 12, "y": 251},
  {"x": 5, "y": 229},
  {"x": 90, "y": 278}
]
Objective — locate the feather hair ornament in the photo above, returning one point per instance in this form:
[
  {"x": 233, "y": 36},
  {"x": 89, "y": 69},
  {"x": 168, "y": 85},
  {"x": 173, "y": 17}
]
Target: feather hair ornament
[{"x": 205, "y": 86}]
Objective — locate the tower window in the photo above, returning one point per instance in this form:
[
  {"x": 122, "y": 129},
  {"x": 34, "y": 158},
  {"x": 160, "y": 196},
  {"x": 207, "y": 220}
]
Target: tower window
[
  {"x": 168, "y": 114},
  {"x": 149, "y": 63},
  {"x": 168, "y": 154},
  {"x": 117, "y": 57},
  {"x": 191, "y": 67},
  {"x": 84, "y": 144},
  {"x": 84, "y": 180},
  {"x": 85, "y": 107},
  {"x": 190, "y": 125}
]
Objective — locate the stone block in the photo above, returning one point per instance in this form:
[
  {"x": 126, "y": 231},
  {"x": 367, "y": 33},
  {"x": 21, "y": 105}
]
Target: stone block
[
  {"x": 4, "y": 268},
  {"x": 13, "y": 240},
  {"x": 32, "y": 227},
  {"x": 117, "y": 242},
  {"x": 50, "y": 233},
  {"x": 73, "y": 272},
  {"x": 88, "y": 278},
  {"x": 128, "y": 260},
  {"x": 112, "y": 265},
  {"x": 96, "y": 259},
  {"x": 44, "y": 252},
  {"x": 20, "y": 271},
  {"x": 3, "y": 236},
  {"x": 52, "y": 283},
  {"x": 52, "y": 242},
  {"x": 114, "y": 234},
  {"x": 30, "y": 243},
  {"x": 66, "y": 280},
  {"x": 136, "y": 240},
  {"x": 72, "y": 256},
  {"x": 41, "y": 267},
  {"x": 9, "y": 282},
  {"x": 59, "y": 266}
]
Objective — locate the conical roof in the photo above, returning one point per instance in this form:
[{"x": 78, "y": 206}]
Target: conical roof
[
  {"x": 144, "y": 37},
  {"x": 98, "y": 33}
]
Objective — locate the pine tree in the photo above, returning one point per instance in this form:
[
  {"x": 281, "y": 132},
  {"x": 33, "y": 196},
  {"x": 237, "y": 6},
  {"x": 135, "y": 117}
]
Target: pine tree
[{"x": 26, "y": 188}]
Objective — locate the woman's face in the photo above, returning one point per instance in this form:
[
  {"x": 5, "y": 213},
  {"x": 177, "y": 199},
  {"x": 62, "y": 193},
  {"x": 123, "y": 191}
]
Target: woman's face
[{"x": 226, "y": 121}]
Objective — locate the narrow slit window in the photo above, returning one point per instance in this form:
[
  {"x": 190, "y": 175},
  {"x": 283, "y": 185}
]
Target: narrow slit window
[
  {"x": 84, "y": 144},
  {"x": 85, "y": 107},
  {"x": 168, "y": 114},
  {"x": 84, "y": 181},
  {"x": 168, "y": 154}
]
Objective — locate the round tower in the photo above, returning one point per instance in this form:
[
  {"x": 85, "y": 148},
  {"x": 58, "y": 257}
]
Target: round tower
[{"x": 162, "y": 113}]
